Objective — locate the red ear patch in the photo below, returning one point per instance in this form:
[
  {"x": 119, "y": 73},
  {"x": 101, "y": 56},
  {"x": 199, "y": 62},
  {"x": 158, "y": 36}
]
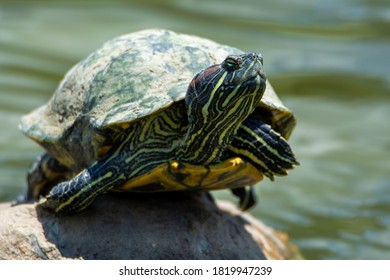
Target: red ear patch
[
  {"x": 210, "y": 70},
  {"x": 200, "y": 78}
]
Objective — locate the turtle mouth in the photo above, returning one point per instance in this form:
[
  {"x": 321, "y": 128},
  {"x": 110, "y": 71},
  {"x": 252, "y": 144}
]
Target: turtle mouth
[
  {"x": 255, "y": 84},
  {"x": 260, "y": 72}
]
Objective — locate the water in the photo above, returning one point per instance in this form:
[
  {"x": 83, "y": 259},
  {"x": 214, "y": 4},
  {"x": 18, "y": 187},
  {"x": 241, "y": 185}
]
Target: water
[{"x": 328, "y": 61}]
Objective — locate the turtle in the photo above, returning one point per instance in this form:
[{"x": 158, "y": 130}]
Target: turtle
[{"x": 154, "y": 111}]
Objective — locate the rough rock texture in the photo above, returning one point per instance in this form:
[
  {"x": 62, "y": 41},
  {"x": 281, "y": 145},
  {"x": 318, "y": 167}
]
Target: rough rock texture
[{"x": 179, "y": 226}]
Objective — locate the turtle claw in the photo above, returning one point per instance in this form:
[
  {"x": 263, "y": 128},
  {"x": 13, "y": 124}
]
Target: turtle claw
[{"x": 247, "y": 196}]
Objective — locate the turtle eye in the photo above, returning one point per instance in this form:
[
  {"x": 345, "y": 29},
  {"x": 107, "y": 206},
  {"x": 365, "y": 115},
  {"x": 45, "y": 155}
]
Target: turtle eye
[{"x": 231, "y": 63}]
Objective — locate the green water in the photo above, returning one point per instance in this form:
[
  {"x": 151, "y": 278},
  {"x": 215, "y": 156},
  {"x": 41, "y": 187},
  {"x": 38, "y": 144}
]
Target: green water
[{"x": 328, "y": 60}]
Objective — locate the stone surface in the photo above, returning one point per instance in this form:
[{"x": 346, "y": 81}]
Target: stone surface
[{"x": 174, "y": 226}]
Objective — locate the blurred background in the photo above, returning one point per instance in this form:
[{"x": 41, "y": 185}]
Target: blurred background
[{"x": 328, "y": 61}]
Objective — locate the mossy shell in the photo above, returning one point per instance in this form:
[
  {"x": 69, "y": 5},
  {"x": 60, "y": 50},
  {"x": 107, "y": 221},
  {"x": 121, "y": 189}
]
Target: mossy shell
[{"x": 129, "y": 77}]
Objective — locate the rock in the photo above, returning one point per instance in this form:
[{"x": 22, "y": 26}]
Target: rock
[{"x": 164, "y": 226}]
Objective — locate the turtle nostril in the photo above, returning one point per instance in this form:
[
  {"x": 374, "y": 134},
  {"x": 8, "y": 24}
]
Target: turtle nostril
[{"x": 257, "y": 56}]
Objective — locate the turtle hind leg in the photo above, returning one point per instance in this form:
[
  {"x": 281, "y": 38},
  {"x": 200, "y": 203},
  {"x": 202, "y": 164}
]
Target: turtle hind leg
[
  {"x": 247, "y": 196},
  {"x": 45, "y": 173}
]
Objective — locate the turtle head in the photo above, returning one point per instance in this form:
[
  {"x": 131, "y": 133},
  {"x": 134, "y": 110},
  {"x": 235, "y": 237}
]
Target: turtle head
[
  {"x": 232, "y": 83},
  {"x": 218, "y": 100}
]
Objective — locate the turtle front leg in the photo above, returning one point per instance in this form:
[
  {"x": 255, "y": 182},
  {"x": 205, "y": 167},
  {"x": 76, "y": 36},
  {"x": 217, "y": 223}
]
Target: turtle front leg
[
  {"x": 266, "y": 150},
  {"x": 45, "y": 173},
  {"x": 78, "y": 193},
  {"x": 112, "y": 171}
]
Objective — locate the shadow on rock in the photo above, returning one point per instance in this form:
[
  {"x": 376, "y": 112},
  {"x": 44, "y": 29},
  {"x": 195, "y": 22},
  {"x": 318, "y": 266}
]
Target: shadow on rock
[{"x": 163, "y": 226}]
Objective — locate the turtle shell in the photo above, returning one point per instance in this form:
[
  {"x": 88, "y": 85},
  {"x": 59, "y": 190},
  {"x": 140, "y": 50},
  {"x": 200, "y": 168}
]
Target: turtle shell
[{"x": 129, "y": 77}]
